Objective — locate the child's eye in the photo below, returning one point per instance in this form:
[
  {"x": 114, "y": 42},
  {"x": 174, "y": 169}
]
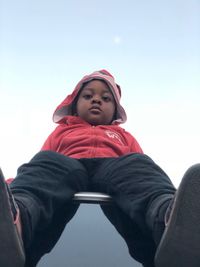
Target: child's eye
[
  {"x": 87, "y": 96},
  {"x": 106, "y": 98}
]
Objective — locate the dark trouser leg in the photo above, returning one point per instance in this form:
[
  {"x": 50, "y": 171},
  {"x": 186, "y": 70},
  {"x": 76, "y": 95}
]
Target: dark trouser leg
[
  {"x": 43, "y": 189},
  {"x": 141, "y": 190}
]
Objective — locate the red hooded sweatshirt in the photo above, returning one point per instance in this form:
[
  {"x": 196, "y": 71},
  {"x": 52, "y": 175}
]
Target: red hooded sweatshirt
[{"x": 76, "y": 138}]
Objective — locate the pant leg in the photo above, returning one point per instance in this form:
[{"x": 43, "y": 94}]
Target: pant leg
[
  {"x": 43, "y": 189},
  {"x": 135, "y": 182}
]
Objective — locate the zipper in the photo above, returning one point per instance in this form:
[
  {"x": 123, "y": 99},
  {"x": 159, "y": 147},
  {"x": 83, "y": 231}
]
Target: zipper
[{"x": 94, "y": 145}]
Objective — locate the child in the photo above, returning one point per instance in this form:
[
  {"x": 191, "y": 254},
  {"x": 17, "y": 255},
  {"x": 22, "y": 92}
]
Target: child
[{"x": 89, "y": 151}]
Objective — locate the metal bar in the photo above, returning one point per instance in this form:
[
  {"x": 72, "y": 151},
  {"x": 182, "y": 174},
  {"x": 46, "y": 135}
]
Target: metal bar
[{"x": 92, "y": 198}]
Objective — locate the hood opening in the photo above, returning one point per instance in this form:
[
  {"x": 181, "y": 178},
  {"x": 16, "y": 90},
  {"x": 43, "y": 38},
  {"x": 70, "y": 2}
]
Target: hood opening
[{"x": 67, "y": 105}]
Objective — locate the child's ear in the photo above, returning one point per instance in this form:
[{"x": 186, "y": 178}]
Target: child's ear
[
  {"x": 115, "y": 113},
  {"x": 74, "y": 104},
  {"x": 114, "y": 116},
  {"x": 74, "y": 112}
]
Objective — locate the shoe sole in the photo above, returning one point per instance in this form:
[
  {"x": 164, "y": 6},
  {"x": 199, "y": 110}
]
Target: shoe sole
[
  {"x": 180, "y": 244},
  {"x": 11, "y": 248}
]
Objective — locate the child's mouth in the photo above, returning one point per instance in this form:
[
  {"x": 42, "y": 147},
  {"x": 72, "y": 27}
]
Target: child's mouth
[{"x": 95, "y": 110}]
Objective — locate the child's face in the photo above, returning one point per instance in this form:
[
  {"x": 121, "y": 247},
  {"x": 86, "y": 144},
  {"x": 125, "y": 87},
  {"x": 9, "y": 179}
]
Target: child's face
[{"x": 96, "y": 104}]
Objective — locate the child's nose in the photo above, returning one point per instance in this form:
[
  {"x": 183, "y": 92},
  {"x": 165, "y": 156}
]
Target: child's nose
[{"x": 96, "y": 99}]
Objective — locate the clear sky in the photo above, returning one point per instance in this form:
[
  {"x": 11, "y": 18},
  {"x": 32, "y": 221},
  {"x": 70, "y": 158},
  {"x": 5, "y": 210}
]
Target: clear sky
[{"x": 151, "y": 47}]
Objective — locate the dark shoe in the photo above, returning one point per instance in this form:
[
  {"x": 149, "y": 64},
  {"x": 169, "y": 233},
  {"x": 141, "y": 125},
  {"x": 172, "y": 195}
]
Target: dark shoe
[
  {"x": 180, "y": 243},
  {"x": 11, "y": 245}
]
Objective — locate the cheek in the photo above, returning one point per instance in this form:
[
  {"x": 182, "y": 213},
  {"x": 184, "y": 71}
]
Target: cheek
[
  {"x": 81, "y": 107},
  {"x": 78, "y": 106},
  {"x": 113, "y": 109},
  {"x": 112, "y": 112}
]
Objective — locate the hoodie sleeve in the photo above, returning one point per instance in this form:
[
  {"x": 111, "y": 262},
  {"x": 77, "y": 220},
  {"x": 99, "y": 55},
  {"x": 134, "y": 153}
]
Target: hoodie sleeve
[
  {"x": 52, "y": 141},
  {"x": 135, "y": 147},
  {"x": 133, "y": 144}
]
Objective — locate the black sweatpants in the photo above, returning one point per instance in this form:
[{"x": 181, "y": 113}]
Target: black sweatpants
[{"x": 44, "y": 188}]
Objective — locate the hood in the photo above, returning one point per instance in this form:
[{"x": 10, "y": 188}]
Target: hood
[{"x": 65, "y": 108}]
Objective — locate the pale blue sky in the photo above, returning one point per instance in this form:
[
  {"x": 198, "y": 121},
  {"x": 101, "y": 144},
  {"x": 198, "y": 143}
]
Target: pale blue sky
[{"x": 151, "y": 47}]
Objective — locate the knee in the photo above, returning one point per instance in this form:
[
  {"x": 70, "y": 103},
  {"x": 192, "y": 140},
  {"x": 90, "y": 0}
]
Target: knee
[
  {"x": 50, "y": 156},
  {"x": 45, "y": 154},
  {"x": 137, "y": 157},
  {"x": 50, "y": 159},
  {"x": 194, "y": 170}
]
